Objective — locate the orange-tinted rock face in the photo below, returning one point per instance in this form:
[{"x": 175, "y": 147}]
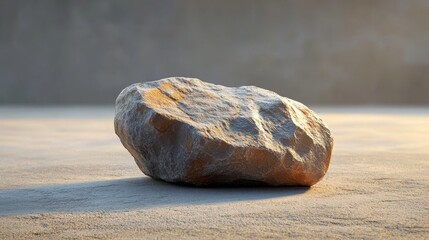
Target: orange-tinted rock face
[{"x": 187, "y": 131}]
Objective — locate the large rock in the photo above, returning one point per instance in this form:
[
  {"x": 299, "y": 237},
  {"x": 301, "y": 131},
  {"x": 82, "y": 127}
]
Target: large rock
[{"x": 184, "y": 130}]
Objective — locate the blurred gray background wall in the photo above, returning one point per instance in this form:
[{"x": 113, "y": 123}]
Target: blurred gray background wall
[{"x": 317, "y": 52}]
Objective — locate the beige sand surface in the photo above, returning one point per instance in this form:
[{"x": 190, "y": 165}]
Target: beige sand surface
[{"x": 64, "y": 174}]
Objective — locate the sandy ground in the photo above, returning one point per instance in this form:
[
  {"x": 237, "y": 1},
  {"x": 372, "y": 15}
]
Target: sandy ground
[{"x": 64, "y": 174}]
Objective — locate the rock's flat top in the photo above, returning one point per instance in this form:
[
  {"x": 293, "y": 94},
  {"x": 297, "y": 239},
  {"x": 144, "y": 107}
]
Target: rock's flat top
[
  {"x": 185, "y": 130},
  {"x": 64, "y": 174}
]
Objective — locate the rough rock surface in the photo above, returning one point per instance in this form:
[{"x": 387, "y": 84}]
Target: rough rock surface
[{"x": 184, "y": 130}]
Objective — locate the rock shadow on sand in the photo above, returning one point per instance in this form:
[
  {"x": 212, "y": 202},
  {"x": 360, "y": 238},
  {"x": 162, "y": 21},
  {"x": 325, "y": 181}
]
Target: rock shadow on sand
[{"x": 127, "y": 194}]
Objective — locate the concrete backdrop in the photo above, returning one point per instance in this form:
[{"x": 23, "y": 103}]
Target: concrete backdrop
[{"x": 317, "y": 52}]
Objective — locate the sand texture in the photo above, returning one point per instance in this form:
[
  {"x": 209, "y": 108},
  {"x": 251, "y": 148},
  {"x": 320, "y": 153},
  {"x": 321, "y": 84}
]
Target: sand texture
[{"x": 64, "y": 174}]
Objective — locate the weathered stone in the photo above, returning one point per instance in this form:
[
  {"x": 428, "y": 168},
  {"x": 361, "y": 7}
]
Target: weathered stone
[{"x": 184, "y": 130}]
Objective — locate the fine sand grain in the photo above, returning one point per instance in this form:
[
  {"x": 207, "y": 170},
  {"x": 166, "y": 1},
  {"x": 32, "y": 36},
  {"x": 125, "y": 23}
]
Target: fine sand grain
[{"x": 64, "y": 174}]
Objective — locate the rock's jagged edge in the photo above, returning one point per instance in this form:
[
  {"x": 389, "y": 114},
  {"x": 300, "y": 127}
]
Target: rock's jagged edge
[{"x": 274, "y": 140}]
